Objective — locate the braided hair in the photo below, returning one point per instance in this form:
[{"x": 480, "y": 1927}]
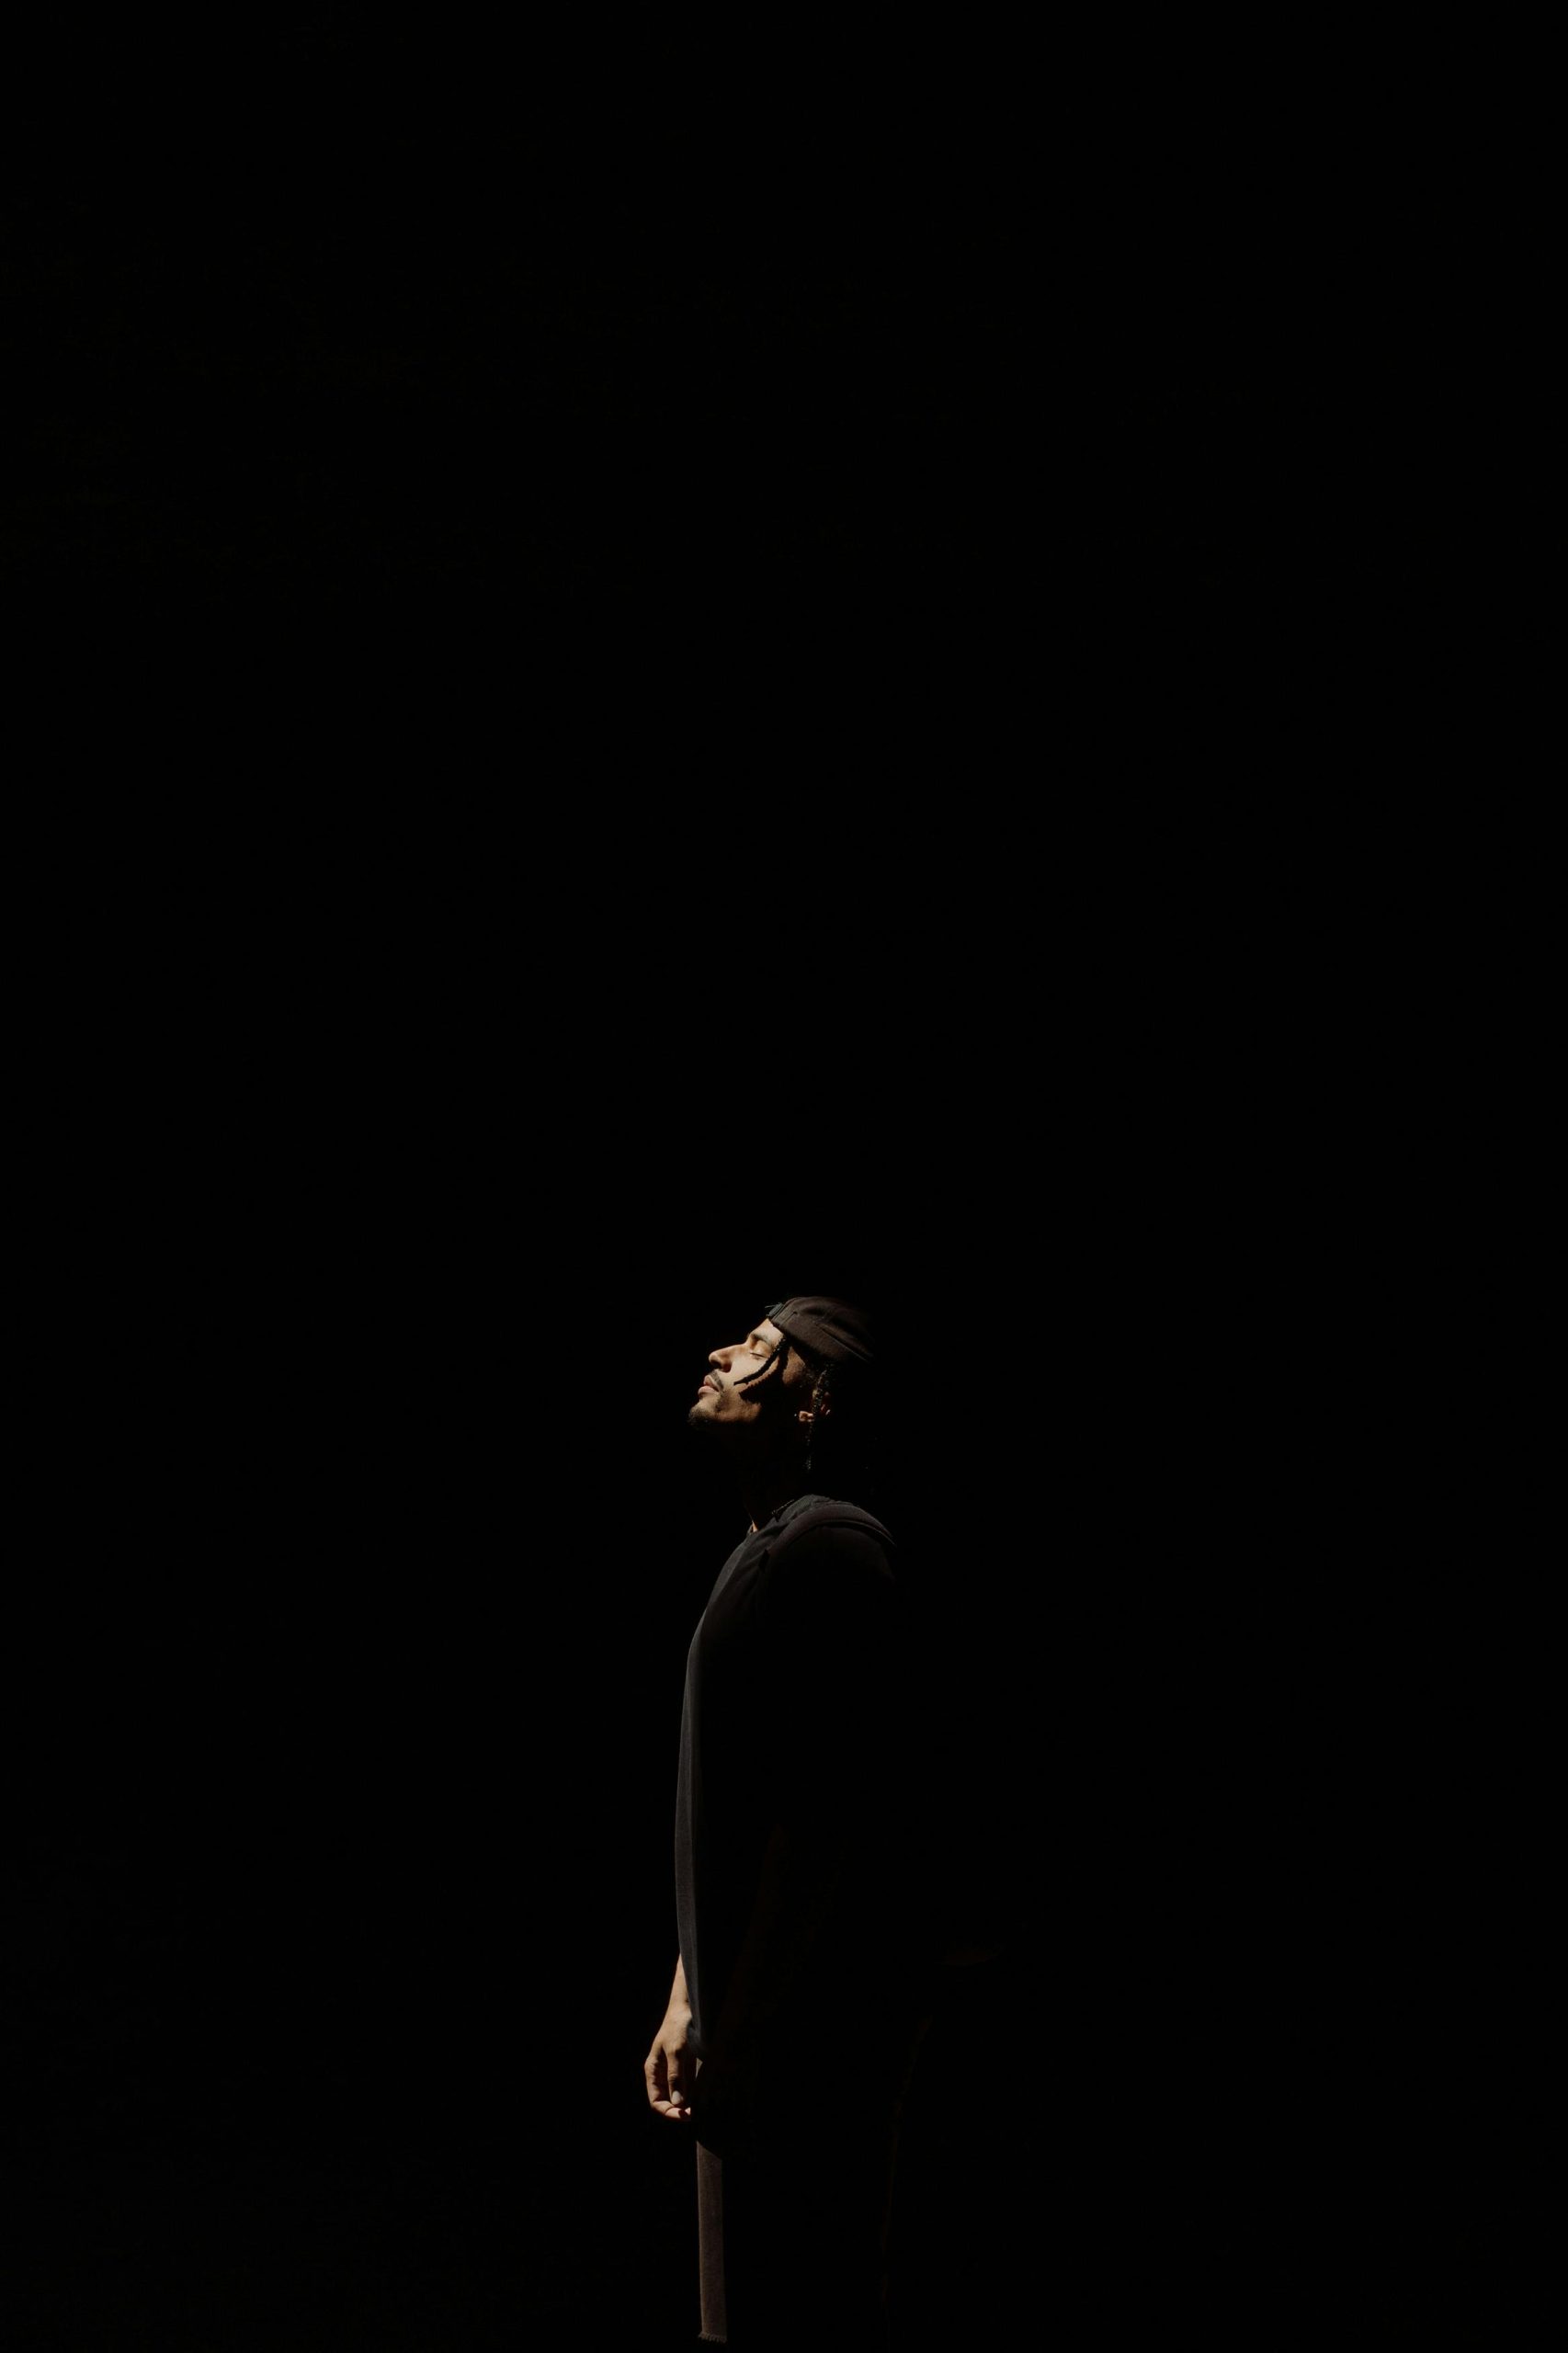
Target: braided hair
[
  {"x": 840, "y": 1456},
  {"x": 778, "y": 1356}
]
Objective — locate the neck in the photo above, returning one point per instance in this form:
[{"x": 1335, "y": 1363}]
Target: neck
[{"x": 765, "y": 1490}]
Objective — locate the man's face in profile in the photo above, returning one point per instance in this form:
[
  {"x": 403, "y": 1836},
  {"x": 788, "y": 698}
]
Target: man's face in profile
[{"x": 722, "y": 1403}]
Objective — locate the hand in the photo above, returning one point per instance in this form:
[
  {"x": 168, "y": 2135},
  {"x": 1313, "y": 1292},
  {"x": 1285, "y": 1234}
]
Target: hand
[{"x": 670, "y": 2067}]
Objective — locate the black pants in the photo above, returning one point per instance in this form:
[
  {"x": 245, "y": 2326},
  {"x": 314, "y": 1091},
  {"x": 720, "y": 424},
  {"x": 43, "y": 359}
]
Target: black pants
[{"x": 792, "y": 2240}]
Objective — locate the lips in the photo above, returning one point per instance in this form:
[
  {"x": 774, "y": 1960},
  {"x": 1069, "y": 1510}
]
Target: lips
[{"x": 708, "y": 1382}]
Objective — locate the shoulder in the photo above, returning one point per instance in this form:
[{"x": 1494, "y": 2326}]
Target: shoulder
[
  {"x": 824, "y": 1548},
  {"x": 823, "y": 1526},
  {"x": 808, "y": 1515}
]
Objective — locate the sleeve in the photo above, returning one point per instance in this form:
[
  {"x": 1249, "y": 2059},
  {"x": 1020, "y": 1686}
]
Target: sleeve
[{"x": 830, "y": 1617}]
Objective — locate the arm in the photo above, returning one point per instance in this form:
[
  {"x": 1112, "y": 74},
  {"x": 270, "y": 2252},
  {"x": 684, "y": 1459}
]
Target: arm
[
  {"x": 784, "y": 1968},
  {"x": 784, "y": 1954},
  {"x": 824, "y": 1710},
  {"x": 668, "y": 2070}
]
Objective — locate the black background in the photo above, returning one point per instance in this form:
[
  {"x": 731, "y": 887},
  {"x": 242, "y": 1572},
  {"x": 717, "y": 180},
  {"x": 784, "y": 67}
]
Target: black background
[
  {"x": 347, "y": 1744},
  {"x": 415, "y": 353},
  {"x": 345, "y": 1682},
  {"x": 410, "y": 1122}
]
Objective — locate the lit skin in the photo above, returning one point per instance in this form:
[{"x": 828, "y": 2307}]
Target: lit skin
[
  {"x": 763, "y": 1429},
  {"x": 669, "y": 2071}
]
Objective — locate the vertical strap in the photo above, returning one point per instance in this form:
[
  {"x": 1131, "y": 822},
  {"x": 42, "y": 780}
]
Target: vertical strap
[{"x": 710, "y": 2243}]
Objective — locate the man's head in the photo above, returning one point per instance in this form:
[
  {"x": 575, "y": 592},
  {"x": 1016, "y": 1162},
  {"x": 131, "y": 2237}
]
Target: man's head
[
  {"x": 778, "y": 1396},
  {"x": 757, "y": 1390}
]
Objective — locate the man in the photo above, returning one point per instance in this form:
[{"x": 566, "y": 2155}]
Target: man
[{"x": 802, "y": 1984}]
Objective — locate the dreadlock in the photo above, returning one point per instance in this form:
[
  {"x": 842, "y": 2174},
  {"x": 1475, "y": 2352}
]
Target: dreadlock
[
  {"x": 822, "y": 1390},
  {"x": 849, "y": 1455},
  {"x": 778, "y": 1356},
  {"x": 844, "y": 1446}
]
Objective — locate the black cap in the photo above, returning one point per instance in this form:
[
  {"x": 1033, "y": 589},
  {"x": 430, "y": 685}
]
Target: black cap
[{"x": 829, "y": 1328}]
